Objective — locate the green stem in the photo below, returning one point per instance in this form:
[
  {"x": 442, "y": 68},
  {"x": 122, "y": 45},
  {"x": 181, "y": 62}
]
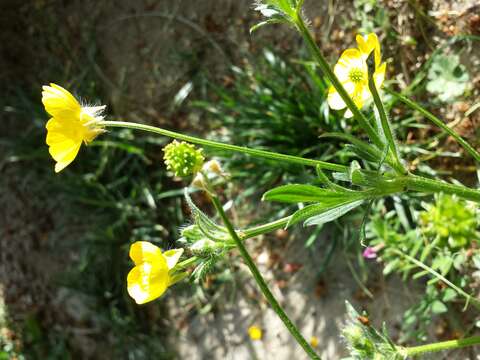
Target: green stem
[
  {"x": 186, "y": 263},
  {"x": 265, "y": 228},
  {"x": 218, "y": 145},
  {"x": 325, "y": 68},
  {"x": 413, "y": 105},
  {"x": 440, "y": 346},
  {"x": 262, "y": 284},
  {"x": 421, "y": 184},
  {"x": 384, "y": 120},
  {"x": 439, "y": 276}
]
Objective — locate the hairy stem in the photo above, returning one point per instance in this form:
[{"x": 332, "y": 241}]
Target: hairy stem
[
  {"x": 265, "y": 228},
  {"x": 219, "y": 145},
  {"x": 413, "y": 105},
  {"x": 440, "y": 346},
  {"x": 262, "y": 284},
  {"x": 439, "y": 276},
  {"x": 397, "y": 164}
]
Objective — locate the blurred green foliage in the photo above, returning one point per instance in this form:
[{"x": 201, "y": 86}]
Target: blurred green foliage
[
  {"x": 447, "y": 78},
  {"x": 445, "y": 240}
]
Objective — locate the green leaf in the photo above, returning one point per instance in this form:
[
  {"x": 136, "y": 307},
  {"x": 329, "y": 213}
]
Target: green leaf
[
  {"x": 295, "y": 193},
  {"x": 449, "y": 295},
  {"x": 332, "y": 214},
  {"x": 273, "y": 20},
  {"x": 207, "y": 226},
  {"x": 438, "y": 307},
  {"x": 317, "y": 214}
]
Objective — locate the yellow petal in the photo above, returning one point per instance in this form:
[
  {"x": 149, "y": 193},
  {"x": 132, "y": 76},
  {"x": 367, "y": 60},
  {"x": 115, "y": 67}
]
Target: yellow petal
[
  {"x": 64, "y": 142},
  {"x": 359, "y": 95},
  {"x": 147, "y": 281},
  {"x": 255, "y": 332},
  {"x": 351, "y": 58},
  {"x": 348, "y": 114},
  {"x": 64, "y": 155},
  {"x": 367, "y": 44},
  {"x": 379, "y": 75},
  {"x": 144, "y": 251},
  {"x": 334, "y": 99},
  {"x": 60, "y": 103},
  {"x": 172, "y": 257}
]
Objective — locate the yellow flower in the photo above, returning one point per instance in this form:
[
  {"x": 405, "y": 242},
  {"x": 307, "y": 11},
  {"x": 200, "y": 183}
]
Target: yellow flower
[
  {"x": 152, "y": 274},
  {"x": 70, "y": 125},
  {"x": 255, "y": 332},
  {"x": 314, "y": 341},
  {"x": 351, "y": 69}
]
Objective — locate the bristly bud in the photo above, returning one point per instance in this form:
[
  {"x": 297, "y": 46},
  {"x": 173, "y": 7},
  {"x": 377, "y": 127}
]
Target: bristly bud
[
  {"x": 364, "y": 342},
  {"x": 199, "y": 182},
  {"x": 183, "y": 159},
  {"x": 213, "y": 167}
]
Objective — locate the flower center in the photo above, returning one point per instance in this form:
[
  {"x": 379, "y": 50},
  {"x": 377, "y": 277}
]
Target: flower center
[{"x": 356, "y": 75}]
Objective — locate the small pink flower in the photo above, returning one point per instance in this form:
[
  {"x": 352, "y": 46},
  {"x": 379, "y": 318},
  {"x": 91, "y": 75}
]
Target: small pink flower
[{"x": 369, "y": 253}]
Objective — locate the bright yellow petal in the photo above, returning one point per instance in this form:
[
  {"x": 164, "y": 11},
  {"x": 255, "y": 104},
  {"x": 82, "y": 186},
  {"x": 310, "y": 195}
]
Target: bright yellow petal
[
  {"x": 367, "y": 44},
  {"x": 379, "y": 75},
  {"x": 64, "y": 142},
  {"x": 144, "y": 251},
  {"x": 255, "y": 332},
  {"x": 172, "y": 257},
  {"x": 359, "y": 95},
  {"x": 60, "y": 103},
  {"x": 351, "y": 58},
  {"x": 147, "y": 281},
  {"x": 334, "y": 99},
  {"x": 64, "y": 154}
]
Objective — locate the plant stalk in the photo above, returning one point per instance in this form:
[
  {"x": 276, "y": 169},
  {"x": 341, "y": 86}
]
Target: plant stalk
[
  {"x": 262, "y": 284},
  {"x": 440, "y": 346},
  {"x": 413, "y": 105},
  {"x": 397, "y": 163},
  {"x": 219, "y": 145},
  {"x": 265, "y": 228}
]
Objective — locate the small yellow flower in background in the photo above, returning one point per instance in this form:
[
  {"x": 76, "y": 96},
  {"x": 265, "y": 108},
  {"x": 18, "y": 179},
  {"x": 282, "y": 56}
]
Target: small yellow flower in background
[
  {"x": 152, "y": 274},
  {"x": 255, "y": 332},
  {"x": 314, "y": 341},
  {"x": 70, "y": 125},
  {"x": 352, "y": 71}
]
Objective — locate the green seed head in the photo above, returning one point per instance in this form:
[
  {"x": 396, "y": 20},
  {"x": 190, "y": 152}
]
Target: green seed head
[{"x": 183, "y": 159}]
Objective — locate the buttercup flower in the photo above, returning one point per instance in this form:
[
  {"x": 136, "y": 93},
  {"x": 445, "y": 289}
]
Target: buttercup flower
[
  {"x": 255, "y": 332},
  {"x": 351, "y": 69},
  {"x": 70, "y": 125},
  {"x": 153, "y": 271}
]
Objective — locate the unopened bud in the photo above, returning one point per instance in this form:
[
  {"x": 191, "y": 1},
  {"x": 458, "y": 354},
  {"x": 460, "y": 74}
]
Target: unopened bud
[
  {"x": 202, "y": 246},
  {"x": 213, "y": 166},
  {"x": 199, "y": 182}
]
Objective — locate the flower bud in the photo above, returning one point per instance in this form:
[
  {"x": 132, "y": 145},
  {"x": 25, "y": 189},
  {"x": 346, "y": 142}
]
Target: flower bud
[
  {"x": 214, "y": 167},
  {"x": 203, "y": 246},
  {"x": 199, "y": 182}
]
